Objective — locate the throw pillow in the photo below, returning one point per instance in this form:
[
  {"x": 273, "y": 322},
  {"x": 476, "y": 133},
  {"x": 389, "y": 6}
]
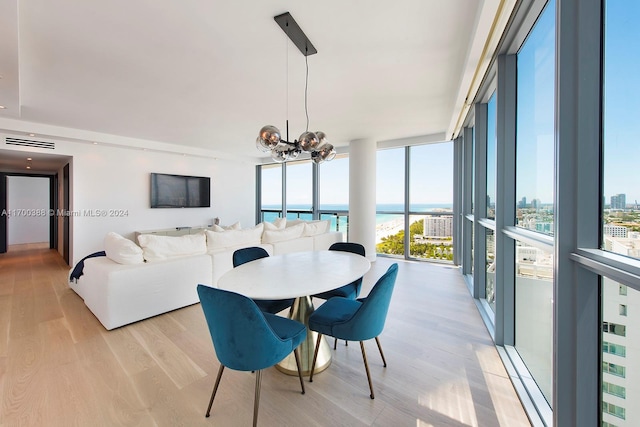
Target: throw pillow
[
  {"x": 288, "y": 233},
  {"x": 235, "y": 226},
  {"x": 313, "y": 228},
  {"x": 158, "y": 248},
  {"x": 121, "y": 250},
  {"x": 292, "y": 222},
  {"x": 277, "y": 224},
  {"x": 234, "y": 238}
]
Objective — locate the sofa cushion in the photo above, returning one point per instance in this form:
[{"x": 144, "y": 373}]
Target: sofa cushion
[
  {"x": 292, "y": 222},
  {"x": 293, "y": 245},
  {"x": 217, "y": 240},
  {"x": 157, "y": 248},
  {"x": 121, "y": 250},
  {"x": 235, "y": 226},
  {"x": 313, "y": 228},
  {"x": 277, "y": 224},
  {"x": 288, "y": 233}
]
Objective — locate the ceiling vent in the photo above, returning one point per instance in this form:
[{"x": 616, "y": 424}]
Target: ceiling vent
[{"x": 30, "y": 143}]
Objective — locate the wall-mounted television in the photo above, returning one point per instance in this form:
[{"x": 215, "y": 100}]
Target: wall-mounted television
[{"x": 180, "y": 191}]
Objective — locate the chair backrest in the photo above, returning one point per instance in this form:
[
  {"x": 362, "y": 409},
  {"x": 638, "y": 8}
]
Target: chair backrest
[
  {"x": 252, "y": 253},
  {"x": 368, "y": 321},
  {"x": 355, "y": 248},
  {"x": 241, "y": 336}
]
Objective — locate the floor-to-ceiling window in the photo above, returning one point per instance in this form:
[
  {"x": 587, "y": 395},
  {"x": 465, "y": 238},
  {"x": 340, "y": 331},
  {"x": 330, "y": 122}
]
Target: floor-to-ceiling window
[
  {"x": 334, "y": 192},
  {"x": 390, "y": 197},
  {"x": 270, "y": 192},
  {"x": 620, "y": 307},
  {"x": 564, "y": 256},
  {"x": 431, "y": 201},
  {"x": 414, "y": 199},
  {"x": 299, "y": 189},
  {"x": 534, "y": 200}
]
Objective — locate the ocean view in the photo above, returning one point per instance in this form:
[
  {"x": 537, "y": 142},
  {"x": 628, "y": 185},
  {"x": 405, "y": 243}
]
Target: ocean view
[{"x": 386, "y": 223}]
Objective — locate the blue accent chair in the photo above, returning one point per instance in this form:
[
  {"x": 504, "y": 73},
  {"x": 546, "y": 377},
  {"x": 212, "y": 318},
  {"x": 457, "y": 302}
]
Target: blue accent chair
[
  {"x": 355, "y": 320},
  {"x": 253, "y": 253},
  {"x": 247, "y": 339},
  {"x": 352, "y": 290}
]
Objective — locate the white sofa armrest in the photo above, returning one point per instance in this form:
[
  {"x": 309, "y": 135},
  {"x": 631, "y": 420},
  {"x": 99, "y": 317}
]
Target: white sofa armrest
[{"x": 121, "y": 294}]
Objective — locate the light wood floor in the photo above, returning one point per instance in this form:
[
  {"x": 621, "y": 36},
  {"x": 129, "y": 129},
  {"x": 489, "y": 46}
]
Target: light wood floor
[{"x": 60, "y": 367}]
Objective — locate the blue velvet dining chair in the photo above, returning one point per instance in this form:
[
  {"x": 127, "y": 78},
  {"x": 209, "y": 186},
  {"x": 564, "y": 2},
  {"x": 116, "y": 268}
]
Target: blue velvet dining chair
[
  {"x": 247, "y": 339},
  {"x": 253, "y": 253},
  {"x": 356, "y": 320},
  {"x": 351, "y": 290}
]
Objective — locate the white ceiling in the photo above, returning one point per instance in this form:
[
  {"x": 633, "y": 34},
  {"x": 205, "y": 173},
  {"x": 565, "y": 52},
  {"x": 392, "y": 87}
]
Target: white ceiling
[{"x": 208, "y": 74}]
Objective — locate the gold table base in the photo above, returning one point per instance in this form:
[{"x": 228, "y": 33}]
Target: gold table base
[{"x": 300, "y": 311}]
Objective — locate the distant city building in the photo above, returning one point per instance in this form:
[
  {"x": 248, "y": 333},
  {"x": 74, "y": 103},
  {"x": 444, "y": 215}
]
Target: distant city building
[
  {"x": 536, "y": 204},
  {"x": 619, "y": 201},
  {"x": 523, "y": 203},
  {"x": 438, "y": 226},
  {"x": 615, "y": 230}
]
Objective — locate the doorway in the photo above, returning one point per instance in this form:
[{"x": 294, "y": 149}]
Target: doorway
[{"x": 29, "y": 207}]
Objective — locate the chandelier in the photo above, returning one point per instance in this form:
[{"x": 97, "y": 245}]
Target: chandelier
[{"x": 270, "y": 138}]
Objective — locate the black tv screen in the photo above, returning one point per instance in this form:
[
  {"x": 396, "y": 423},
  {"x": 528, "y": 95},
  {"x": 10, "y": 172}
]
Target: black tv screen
[{"x": 180, "y": 191}]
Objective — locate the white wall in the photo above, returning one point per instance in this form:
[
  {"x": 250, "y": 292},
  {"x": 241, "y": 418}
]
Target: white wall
[
  {"x": 116, "y": 180},
  {"x": 28, "y": 207}
]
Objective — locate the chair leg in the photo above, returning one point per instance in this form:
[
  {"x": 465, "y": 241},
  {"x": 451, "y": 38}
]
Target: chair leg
[
  {"x": 256, "y": 401},
  {"x": 335, "y": 343},
  {"x": 297, "y": 355},
  {"x": 381, "y": 353},
  {"x": 366, "y": 367},
  {"x": 315, "y": 356},
  {"x": 215, "y": 389}
]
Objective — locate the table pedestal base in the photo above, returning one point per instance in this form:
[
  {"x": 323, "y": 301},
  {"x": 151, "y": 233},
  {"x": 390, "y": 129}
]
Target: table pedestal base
[{"x": 300, "y": 311}]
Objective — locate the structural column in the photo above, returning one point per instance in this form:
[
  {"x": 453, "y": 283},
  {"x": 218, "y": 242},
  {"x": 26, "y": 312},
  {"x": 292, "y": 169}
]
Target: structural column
[{"x": 362, "y": 194}]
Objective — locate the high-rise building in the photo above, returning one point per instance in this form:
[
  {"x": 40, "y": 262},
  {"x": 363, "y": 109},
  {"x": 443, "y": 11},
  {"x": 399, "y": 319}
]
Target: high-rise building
[
  {"x": 438, "y": 226},
  {"x": 523, "y": 203},
  {"x": 619, "y": 201},
  {"x": 620, "y": 339}
]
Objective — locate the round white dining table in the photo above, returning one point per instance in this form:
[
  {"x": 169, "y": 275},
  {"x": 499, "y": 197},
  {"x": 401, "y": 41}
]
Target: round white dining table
[{"x": 297, "y": 275}]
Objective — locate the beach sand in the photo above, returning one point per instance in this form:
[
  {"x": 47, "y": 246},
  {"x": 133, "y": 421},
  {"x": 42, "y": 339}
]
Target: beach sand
[{"x": 388, "y": 228}]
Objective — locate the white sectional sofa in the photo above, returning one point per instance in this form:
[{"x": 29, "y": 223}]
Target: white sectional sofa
[{"x": 134, "y": 282}]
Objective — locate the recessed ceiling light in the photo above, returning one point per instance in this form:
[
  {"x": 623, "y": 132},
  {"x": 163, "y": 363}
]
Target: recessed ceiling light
[
  {"x": 32, "y": 134},
  {"x": 95, "y": 143},
  {"x": 29, "y": 159},
  {"x": 28, "y": 167},
  {"x": 2, "y": 107}
]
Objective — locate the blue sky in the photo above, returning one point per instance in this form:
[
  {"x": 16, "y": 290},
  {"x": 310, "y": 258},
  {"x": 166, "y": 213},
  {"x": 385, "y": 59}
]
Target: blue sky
[
  {"x": 622, "y": 100},
  {"x": 431, "y": 178}
]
